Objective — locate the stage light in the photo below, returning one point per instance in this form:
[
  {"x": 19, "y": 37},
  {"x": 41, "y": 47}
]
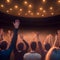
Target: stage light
[
  {"x": 20, "y": 9},
  {"x": 8, "y": 1},
  {"x": 44, "y": 11},
  {"x": 44, "y": 0},
  {"x": 29, "y": 11},
  {"x": 58, "y": 1},
  {"x": 37, "y": 13},
  {"x": 52, "y": 13},
  {"x": 41, "y": 8},
  {"x": 7, "y": 11},
  {"x": 2, "y": 5},
  {"x": 10, "y": 9},
  {"x": 42, "y": 15},
  {"x": 51, "y": 8},
  {"x": 16, "y": 6},
  {"x": 25, "y": 2},
  {"x": 30, "y": 6}
]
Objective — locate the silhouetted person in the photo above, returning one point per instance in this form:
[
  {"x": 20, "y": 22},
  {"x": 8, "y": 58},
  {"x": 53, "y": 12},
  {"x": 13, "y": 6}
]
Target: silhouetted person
[
  {"x": 20, "y": 51},
  {"x": 47, "y": 47},
  {"x": 41, "y": 50},
  {"x": 5, "y": 53},
  {"x": 53, "y": 54},
  {"x": 1, "y": 35},
  {"x": 32, "y": 55},
  {"x": 3, "y": 45}
]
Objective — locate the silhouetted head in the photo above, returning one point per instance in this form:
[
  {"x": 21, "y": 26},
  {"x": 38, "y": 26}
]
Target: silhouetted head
[
  {"x": 33, "y": 45},
  {"x": 47, "y": 46},
  {"x": 55, "y": 54},
  {"x": 3, "y": 45},
  {"x": 20, "y": 46}
]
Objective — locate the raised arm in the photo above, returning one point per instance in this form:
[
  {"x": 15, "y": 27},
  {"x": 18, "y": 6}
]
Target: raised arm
[
  {"x": 14, "y": 39},
  {"x": 27, "y": 46},
  {"x": 39, "y": 43}
]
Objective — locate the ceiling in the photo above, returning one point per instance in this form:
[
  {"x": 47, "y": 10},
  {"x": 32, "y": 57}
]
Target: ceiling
[{"x": 30, "y": 8}]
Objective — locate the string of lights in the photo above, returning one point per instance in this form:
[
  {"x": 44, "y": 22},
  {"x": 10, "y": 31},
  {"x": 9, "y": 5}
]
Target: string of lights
[{"x": 28, "y": 8}]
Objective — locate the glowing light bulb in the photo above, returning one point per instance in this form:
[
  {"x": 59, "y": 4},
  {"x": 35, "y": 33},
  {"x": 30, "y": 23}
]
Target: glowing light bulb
[
  {"x": 7, "y": 11},
  {"x": 25, "y": 2},
  {"x": 58, "y": 1},
  {"x": 52, "y": 13},
  {"x": 44, "y": 0},
  {"x": 2, "y": 5},
  {"x": 29, "y": 11},
  {"x": 44, "y": 11},
  {"x": 10, "y": 9},
  {"x": 30, "y": 6},
  {"x": 42, "y": 15},
  {"x": 20, "y": 9},
  {"x": 37, "y": 13},
  {"x": 16, "y": 6},
  {"x": 8, "y": 1},
  {"x": 41, "y": 8},
  {"x": 51, "y": 8}
]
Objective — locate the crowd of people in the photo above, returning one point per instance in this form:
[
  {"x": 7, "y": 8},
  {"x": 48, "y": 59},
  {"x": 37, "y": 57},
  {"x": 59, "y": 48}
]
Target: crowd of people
[{"x": 49, "y": 50}]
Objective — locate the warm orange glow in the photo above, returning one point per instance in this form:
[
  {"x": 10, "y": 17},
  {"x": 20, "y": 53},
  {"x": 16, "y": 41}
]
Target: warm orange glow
[
  {"x": 20, "y": 9},
  {"x": 37, "y": 13},
  {"x": 42, "y": 15},
  {"x": 2, "y": 5},
  {"x": 25, "y": 13},
  {"x": 18, "y": 13},
  {"x": 25, "y": 2},
  {"x": 30, "y": 6},
  {"x": 29, "y": 11},
  {"x": 7, "y": 11},
  {"x": 10, "y": 9},
  {"x": 52, "y": 13},
  {"x": 51, "y": 8},
  {"x": 44, "y": 11},
  {"x": 8, "y": 1},
  {"x": 41, "y": 8},
  {"x": 58, "y": 1},
  {"x": 44, "y": 0},
  {"x": 16, "y": 6}
]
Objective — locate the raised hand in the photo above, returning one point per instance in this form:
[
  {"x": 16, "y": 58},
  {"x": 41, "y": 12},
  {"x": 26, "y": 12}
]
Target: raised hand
[{"x": 16, "y": 23}]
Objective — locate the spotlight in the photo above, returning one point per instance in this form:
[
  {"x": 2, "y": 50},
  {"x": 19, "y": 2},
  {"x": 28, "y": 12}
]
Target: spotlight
[
  {"x": 2, "y": 5},
  {"x": 30, "y": 6},
  {"x": 16, "y": 6}
]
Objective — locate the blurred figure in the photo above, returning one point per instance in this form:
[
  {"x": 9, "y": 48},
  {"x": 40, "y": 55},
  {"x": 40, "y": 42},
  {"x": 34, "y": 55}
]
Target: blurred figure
[
  {"x": 41, "y": 50},
  {"x": 47, "y": 47},
  {"x": 3, "y": 45},
  {"x": 5, "y": 53},
  {"x": 49, "y": 40},
  {"x": 57, "y": 39},
  {"x": 20, "y": 51},
  {"x": 53, "y": 54},
  {"x": 1, "y": 34},
  {"x": 32, "y": 55}
]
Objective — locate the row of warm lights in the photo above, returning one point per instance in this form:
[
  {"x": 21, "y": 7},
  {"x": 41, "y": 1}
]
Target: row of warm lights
[
  {"x": 25, "y": 2},
  {"x": 41, "y": 8},
  {"x": 16, "y": 6},
  {"x": 31, "y": 13}
]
